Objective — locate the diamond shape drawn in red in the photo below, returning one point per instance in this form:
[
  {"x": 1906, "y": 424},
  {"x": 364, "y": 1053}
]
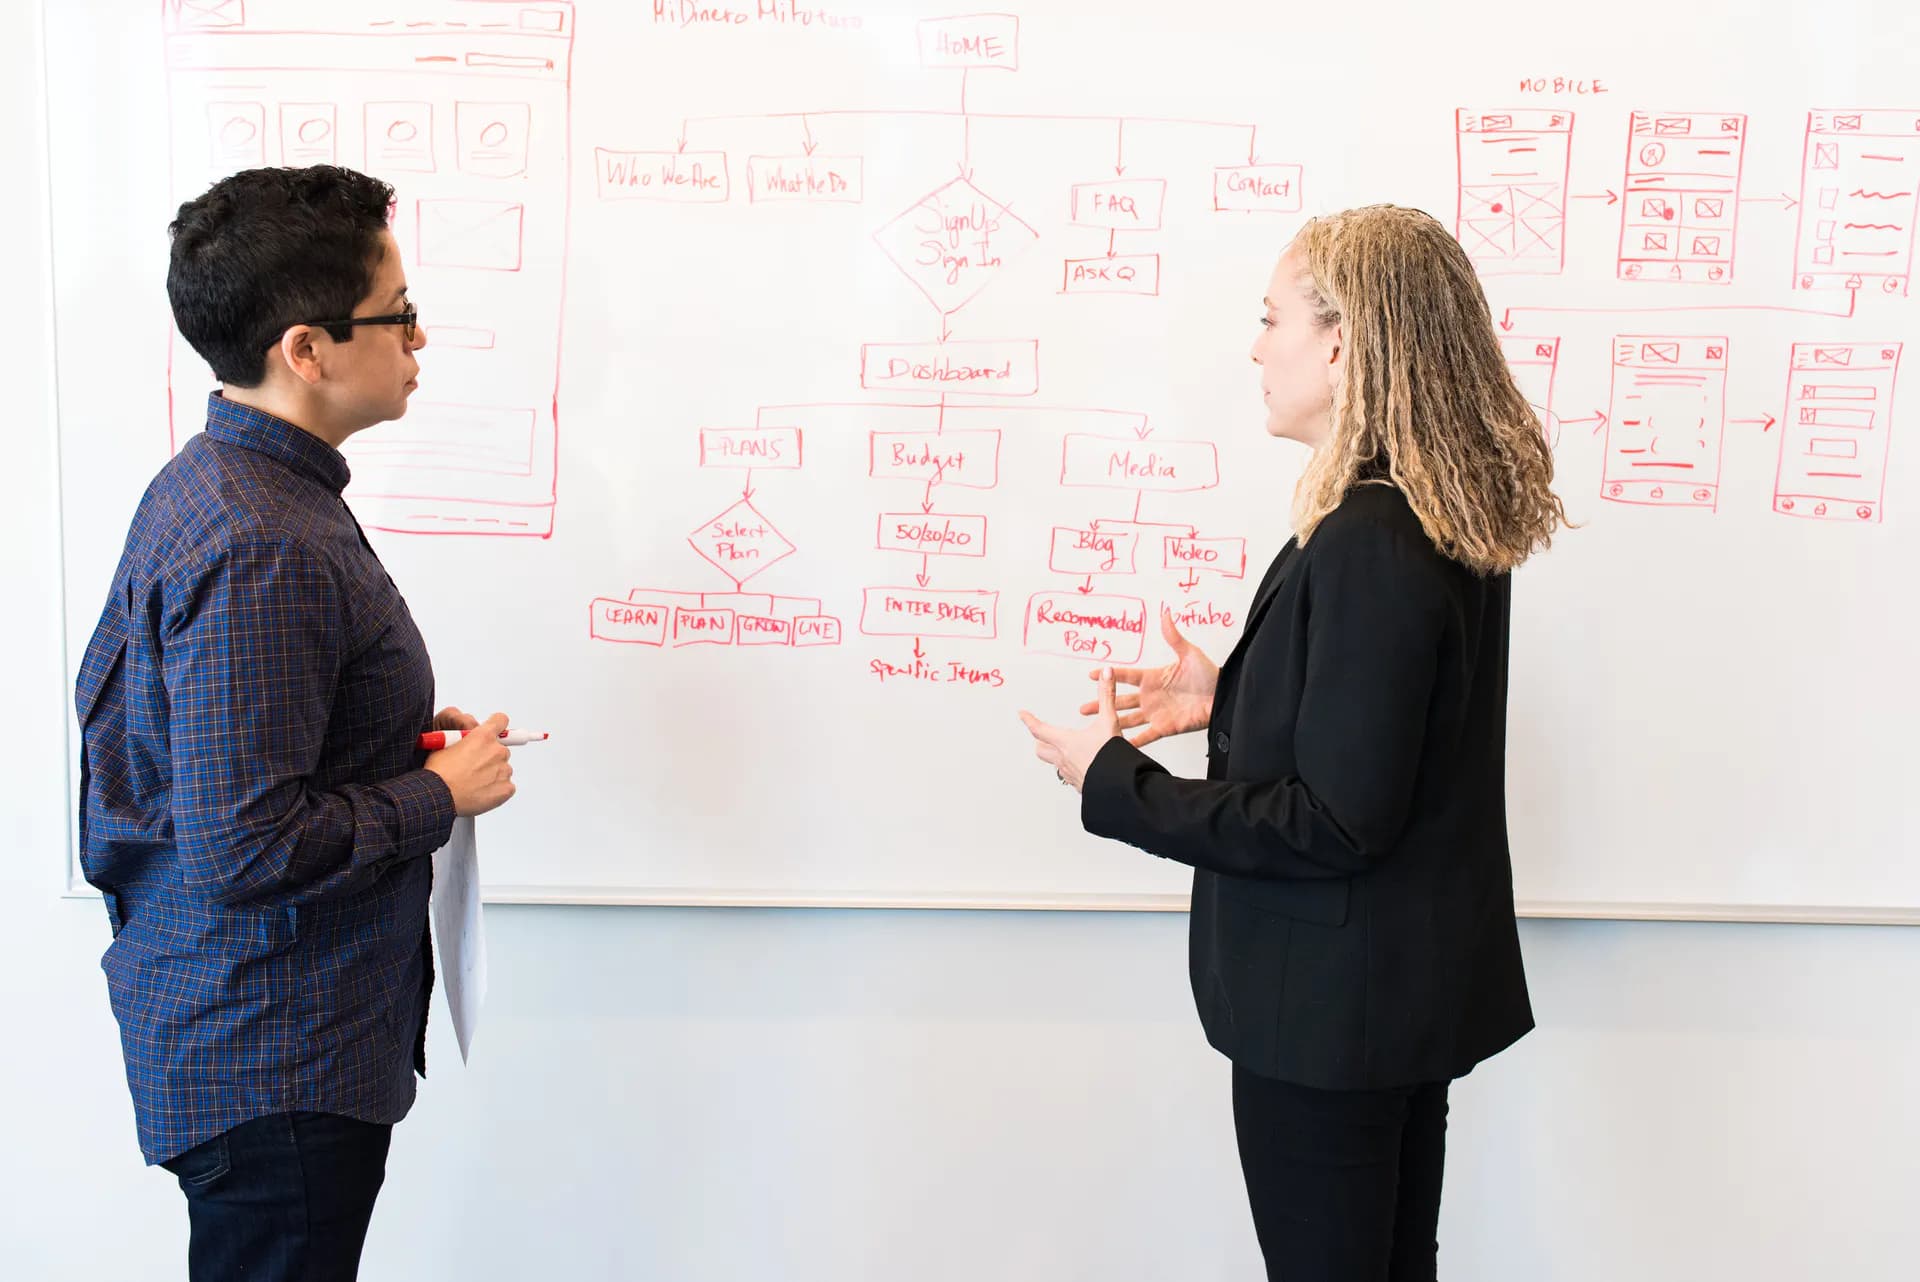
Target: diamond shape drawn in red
[
  {"x": 954, "y": 242},
  {"x": 741, "y": 542}
]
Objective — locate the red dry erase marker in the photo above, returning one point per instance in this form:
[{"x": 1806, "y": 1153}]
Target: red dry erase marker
[{"x": 434, "y": 740}]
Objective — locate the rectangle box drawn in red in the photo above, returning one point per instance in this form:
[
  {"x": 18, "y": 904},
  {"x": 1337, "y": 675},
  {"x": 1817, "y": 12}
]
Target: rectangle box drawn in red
[
  {"x": 702, "y": 627},
  {"x": 308, "y": 133},
  {"x": 773, "y": 448},
  {"x": 1512, "y": 202},
  {"x": 973, "y": 367},
  {"x": 932, "y": 533},
  {"x": 814, "y": 630},
  {"x": 471, "y": 338},
  {"x": 1113, "y": 274},
  {"x": 444, "y": 438},
  {"x": 1680, "y": 201},
  {"x": 1225, "y": 557},
  {"x": 1124, "y": 463},
  {"x": 971, "y": 41},
  {"x": 966, "y": 457},
  {"x": 629, "y": 622},
  {"x": 970, "y": 614},
  {"x": 1257, "y": 189},
  {"x": 755, "y": 629},
  {"x": 1077, "y": 550},
  {"x": 1076, "y": 625},
  {"x": 1118, "y": 204},
  {"x": 1666, "y": 421},
  {"x": 1835, "y": 436},
  {"x": 492, "y": 138},
  {"x": 1859, "y": 201},
  {"x": 682, "y": 177},
  {"x": 816, "y": 179},
  {"x": 484, "y": 235}
]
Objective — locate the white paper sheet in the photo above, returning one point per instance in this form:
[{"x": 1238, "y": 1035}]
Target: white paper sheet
[{"x": 459, "y": 930}]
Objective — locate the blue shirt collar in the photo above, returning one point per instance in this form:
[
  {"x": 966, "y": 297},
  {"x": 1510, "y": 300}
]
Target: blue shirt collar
[{"x": 235, "y": 424}]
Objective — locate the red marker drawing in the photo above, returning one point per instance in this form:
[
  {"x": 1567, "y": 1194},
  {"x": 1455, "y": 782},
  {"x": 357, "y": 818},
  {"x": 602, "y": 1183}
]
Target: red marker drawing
[{"x": 434, "y": 740}]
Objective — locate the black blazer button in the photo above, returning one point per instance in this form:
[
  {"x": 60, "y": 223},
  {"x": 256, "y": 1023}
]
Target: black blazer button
[{"x": 1220, "y": 741}]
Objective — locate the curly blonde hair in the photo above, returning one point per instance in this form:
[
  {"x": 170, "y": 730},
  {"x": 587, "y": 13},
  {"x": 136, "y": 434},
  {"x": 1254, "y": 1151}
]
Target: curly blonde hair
[{"x": 1427, "y": 400}]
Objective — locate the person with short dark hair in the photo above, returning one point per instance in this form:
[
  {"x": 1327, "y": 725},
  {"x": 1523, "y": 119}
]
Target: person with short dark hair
[{"x": 253, "y": 804}]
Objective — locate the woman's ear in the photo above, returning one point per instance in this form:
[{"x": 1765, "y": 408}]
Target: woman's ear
[{"x": 1337, "y": 355}]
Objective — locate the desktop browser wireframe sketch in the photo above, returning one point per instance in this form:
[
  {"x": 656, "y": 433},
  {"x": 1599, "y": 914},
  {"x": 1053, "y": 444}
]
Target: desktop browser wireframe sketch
[{"x": 463, "y": 106}]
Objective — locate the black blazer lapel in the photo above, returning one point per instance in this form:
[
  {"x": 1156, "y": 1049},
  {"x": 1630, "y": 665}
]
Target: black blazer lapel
[{"x": 1263, "y": 598}]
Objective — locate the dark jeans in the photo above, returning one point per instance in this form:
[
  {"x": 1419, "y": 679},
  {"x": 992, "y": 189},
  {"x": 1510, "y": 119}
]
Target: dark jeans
[
  {"x": 283, "y": 1198},
  {"x": 1344, "y": 1185}
]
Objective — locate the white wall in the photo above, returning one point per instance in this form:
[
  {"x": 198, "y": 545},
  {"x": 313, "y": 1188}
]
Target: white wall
[{"x": 810, "y": 1096}]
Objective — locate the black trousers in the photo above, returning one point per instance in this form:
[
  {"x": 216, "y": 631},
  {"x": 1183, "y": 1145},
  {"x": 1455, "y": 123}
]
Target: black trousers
[
  {"x": 283, "y": 1198},
  {"x": 1344, "y": 1185}
]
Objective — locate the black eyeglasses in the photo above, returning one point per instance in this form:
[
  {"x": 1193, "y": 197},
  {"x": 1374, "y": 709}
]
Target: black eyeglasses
[{"x": 341, "y": 331}]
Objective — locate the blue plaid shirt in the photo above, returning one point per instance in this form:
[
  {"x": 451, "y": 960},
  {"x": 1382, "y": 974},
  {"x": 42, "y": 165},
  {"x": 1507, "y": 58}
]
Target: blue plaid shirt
[{"x": 252, "y": 803}]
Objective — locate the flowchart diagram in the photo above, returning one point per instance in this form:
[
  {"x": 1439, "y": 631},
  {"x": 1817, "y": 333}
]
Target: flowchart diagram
[{"x": 941, "y": 409}]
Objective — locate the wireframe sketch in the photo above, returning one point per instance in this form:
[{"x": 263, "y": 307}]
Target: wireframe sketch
[
  {"x": 1859, "y": 200},
  {"x": 1681, "y": 202},
  {"x": 463, "y": 106},
  {"x": 1666, "y": 422},
  {"x": 1834, "y": 439},
  {"x": 1512, "y": 214}
]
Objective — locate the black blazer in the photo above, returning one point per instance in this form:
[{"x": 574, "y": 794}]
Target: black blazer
[{"x": 1353, "y": 922}]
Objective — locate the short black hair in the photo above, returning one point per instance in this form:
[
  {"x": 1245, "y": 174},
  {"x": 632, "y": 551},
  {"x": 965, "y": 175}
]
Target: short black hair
[{"x": 265, "y": 249}]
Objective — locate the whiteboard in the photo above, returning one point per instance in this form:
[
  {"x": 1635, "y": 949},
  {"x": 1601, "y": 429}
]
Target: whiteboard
[{"x": 811, "y": 388}]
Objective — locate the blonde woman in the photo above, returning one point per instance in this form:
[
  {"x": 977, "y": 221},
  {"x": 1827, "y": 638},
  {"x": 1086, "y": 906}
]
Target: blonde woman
[{"x": 1353, "y": 940}]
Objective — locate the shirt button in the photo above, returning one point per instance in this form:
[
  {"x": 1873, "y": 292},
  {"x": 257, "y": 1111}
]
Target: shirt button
[{"x": 1220, "y": 741}]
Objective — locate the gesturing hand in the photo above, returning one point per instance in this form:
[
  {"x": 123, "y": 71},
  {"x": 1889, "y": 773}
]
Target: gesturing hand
[
  {"x": 1169, "y": 700},
  {"x": 1071, "y": 750}
]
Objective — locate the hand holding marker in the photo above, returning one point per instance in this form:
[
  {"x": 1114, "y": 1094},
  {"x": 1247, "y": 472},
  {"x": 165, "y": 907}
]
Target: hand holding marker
[
  {"x": 474, "y": 763},
  {"x": 434, "y": 740}
]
